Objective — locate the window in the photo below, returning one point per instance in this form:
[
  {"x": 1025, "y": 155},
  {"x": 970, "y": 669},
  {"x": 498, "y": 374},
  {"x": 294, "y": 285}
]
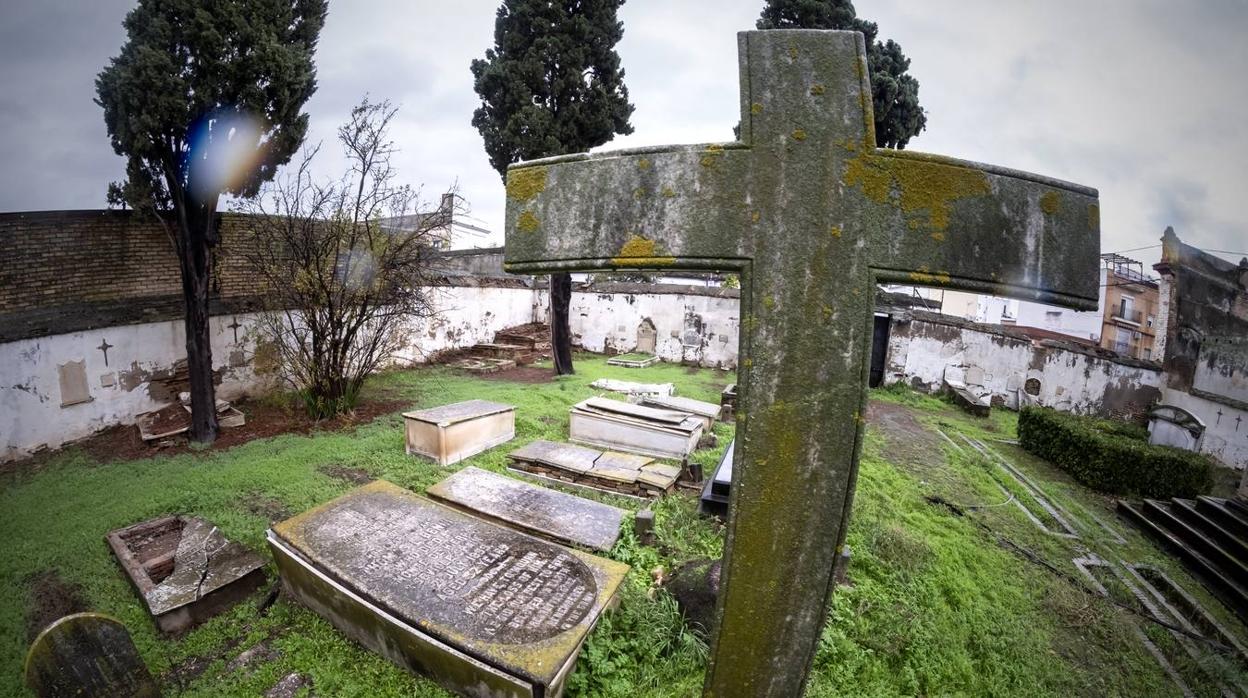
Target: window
[
  {"x": 1053, "y": 318},
  {"x": 1150, "y": 320}
]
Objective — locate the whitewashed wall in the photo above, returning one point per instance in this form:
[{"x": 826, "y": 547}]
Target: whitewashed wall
[
  {"x": 698, "y": 326},
  {"x": 31, "y": 415},
  {"x": 469, "y": 315},
  {"x": 1226, "y": 428},
  {"x": 925, "y": 353}
]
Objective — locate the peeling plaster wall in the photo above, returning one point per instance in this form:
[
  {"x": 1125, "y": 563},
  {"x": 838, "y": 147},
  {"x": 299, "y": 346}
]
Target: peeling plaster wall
[
  {"x": 694, "y": 325},
  {"x": 469, "y": 315},
  {"x": 1226, "y": 429},
  {"x": 139, "y": 377},
  {"x": 926, "y": 352}
]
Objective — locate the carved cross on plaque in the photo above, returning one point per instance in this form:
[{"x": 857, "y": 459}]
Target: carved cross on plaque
[
  {"x": 812, "y": 215},
  {"x": 234, "y": 326},
  {"x": 104, "y": 347}
]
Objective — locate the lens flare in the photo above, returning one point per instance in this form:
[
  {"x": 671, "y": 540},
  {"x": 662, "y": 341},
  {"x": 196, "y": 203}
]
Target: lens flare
[{"x": 225, "y": 148}]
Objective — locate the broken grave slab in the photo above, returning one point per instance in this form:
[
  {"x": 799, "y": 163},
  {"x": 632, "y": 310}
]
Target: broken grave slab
[
  {"x": 544, "y": 512},
  {"x": 708, "y": 411},
  {"x": 482, "y": 609},
  {"x": 185, "y": 569},
  {"x": 618, "y": 473}
]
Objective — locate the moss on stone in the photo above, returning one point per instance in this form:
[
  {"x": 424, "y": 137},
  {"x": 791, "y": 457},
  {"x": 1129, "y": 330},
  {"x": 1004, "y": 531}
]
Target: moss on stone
[
  {"x": 799, "y": 134},
  {"x": 669, "y": 193},
  {"x": 1051, "y": 203},
  {"x": 643, "y": 164},
  {"x": 1094, "y": 217},
  {"x": 639, "y": 251},
  {"x": 756, "y": 108},
  {"x": 817, "y": 89},
  {"x": 528, "y": 222},
  {"x": 525, "y": 183},
  {"x": 924, "y": 277},
  {"x": 921, "y": 186}
]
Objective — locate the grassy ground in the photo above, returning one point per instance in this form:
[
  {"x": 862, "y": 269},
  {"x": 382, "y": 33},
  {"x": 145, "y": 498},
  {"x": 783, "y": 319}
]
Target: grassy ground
[{"x": 936, "y": 605}]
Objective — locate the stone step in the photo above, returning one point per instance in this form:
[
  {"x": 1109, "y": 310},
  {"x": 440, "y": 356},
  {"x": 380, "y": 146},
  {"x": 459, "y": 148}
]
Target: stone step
[
  {"x": 1187, "y": 510},
  {"x": 513, "y": 352},
  {"x": 1163, "y": 514},
  {"x": 1237, "y": 505},
  {"x": 1233, "y": 595},
  {"x": 1219, "y": 510}
]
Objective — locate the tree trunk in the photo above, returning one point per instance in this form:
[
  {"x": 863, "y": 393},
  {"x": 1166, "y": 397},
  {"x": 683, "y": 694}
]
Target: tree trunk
[
  {"x": 196, "y": 261},
  {"x": 560, "y": 331}
]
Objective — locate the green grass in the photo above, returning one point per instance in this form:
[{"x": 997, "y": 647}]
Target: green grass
[{"x": 936, "y": 605}]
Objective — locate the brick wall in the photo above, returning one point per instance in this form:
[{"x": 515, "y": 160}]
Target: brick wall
[{"x": 65, "y": 271}]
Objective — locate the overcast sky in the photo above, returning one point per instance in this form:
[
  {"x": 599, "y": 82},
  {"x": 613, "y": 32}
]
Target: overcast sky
[{"x": 1143, "y": 99}]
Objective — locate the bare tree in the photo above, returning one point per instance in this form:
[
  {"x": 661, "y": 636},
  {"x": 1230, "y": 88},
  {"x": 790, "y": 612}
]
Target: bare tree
[{"x": 345, "y": 263}]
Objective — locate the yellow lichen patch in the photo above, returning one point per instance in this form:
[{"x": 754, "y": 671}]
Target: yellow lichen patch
[
  {"x": 639, "y": 193},
  {"x": 792, "y": 52},
  {"x": 922, "y": 276},
  {"x": 755, "y": 216},
  {"x": 827, "y": 312},
  {"x": 836, "y": 232},
  {"x": 938, "y": 236},
  {"x": 1051, "y": 203},
  {"x": 639, "y": 251},
  {"x": 769, "y": 301},
  {"x": 817, "y": 89},
  {"x": 1094, "y": 217},
  {"x": 920, "y": 185},
  {"x": 712, "y": 153},
  {"x": 643, "y": 164},
  {"x": 799, "y": 134},
  {"x": 526, "y": 183},
  {"x": 528, "y": 223},
  {"x": 756, "y": 108},
  {"x": 669, "y": 193}
]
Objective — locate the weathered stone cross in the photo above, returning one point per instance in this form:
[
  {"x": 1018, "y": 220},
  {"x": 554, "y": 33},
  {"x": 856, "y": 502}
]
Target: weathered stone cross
[{"x": 812, "y": 215}]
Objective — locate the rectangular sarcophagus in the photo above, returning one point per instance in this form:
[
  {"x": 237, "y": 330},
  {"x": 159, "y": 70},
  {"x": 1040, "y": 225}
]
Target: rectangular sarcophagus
[
  {"x": 481, "y": 609},
  {"x": 451, "y": 433},
  {"x": 616, "y": 425}
]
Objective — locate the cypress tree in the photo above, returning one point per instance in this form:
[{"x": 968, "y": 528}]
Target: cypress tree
[
  {"x": 551, "y": 85},
  {"x": 894, "y": 92},
  {"x": 205, "y": 98}
]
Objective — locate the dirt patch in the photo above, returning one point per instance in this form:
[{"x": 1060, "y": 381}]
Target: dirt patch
[
  {"x": 51, "y": 598},
  {"x": 186, "y": 671},
  {"x": 354, "y": 476},
  {"x": 266, "y": 507},
  {"x": 264, "y": 419},
  {"x": 521, "y": 374},
  {"x": 907, "y": 441}
]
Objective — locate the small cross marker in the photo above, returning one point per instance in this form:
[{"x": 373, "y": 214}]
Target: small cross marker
[
  {"x": 104, "y": 347},
  {"x": 812, "y": 216},
  {"x": 1219, "y": 418},
  {"x": 234, "y": 326}
]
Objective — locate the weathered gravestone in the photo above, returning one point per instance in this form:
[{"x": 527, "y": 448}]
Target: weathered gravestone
[
  {"x": 88, "y": 655},
  {"x": 481, "y": 609},
  {"x": 544, "y": 512},
  {"x": 812, "y": 216}
]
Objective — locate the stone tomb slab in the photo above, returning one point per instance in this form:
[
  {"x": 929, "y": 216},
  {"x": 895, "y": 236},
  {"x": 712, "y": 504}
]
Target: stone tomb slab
[
  {"x": 451, "y": 433},
  {"x": 479, "y": 608},
  {"x": 577, "y": 459},
  {"x": 544, "y": 512},
  {"x": 708, "y": 411},
  {"x": 620, "y": 426},
  {"x": 185, "y": 569}
]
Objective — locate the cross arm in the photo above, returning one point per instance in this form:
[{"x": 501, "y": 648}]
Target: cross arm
[
  {"x": 940, "y": 221},
  {"x": 662, "y": 207}
]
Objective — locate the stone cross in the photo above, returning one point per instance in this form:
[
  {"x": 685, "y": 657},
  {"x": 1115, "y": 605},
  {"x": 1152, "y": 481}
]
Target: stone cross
[
  {"x": 812, "y": 215},
  {"x": 104, "y": 347},
  {"x": 234, "y": 326}
]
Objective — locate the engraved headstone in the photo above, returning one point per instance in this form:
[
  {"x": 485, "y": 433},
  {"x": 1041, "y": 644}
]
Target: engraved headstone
[
  {"x": 89, "y": 655},
  {"x": 479, "y": 608},
  {"x": 811, "y": 215},
  {"x": 544, "y": 512}
]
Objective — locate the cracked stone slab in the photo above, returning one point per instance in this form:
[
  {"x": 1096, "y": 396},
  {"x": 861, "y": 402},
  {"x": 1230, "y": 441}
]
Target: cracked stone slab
[
  {"x": 578, "y": 459},
  {"x": 548, "y": 513},
  {"x": 203, "y": 575},
  {"x": 659, "y": 475}
]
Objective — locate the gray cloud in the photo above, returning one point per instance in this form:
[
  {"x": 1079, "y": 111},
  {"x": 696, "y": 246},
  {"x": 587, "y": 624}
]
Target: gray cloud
[{"x": 1140, "y": 98}]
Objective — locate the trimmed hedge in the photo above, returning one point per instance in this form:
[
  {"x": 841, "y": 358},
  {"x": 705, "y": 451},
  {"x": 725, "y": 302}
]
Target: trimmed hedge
[{"x": 1112, "y": 457}]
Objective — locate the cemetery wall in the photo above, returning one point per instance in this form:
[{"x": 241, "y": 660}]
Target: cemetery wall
[
  {"x": 926, "y": 349},
  {"x": 692, "y": 324}
]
